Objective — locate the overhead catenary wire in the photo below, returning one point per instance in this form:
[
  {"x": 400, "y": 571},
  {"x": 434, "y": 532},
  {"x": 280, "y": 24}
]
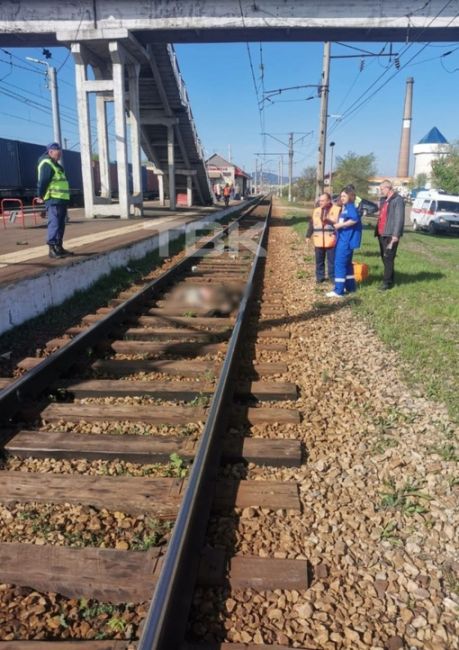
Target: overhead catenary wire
[
  {"x": 26, "y": 68},
  {"x": 355, "y": 106},
  {"x": 252, "y": 70}
]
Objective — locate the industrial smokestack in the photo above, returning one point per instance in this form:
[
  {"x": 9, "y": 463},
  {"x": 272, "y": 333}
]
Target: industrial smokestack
[{"x": 404, "y": 156}]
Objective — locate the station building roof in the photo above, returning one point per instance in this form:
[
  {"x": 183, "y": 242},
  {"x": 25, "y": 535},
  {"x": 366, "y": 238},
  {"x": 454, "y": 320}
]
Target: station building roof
[{"x": 215, "y": 163}]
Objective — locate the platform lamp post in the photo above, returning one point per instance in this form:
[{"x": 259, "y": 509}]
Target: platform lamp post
[
  {"x": 330, "y": 183},
  {"x": 52, "y": 85}
]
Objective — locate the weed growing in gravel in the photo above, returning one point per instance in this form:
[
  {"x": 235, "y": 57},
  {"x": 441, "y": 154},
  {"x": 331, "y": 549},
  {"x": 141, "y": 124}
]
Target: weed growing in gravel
[
  {"x": 178, "y": 466},
  {"x": 383, "y": 444},
  {"x": 451, "y": 580},
  {"x": 93, "y": 611},
  {"x": 200, "y": 400},
  {"x": 407, "y": 498},
  {"x": 388, "y": 534},
  {"x": 301, "y": 275},
  {"x": 446, "y": 452},
  {"x": 116, "y": 624},
  {"x": 63, "y": 622},
  {"x": 155, "y": 537},
  {"x": 189, "y": 314},
  {"x": 186, "y": 430},
  {"x": 453, "y": 481}
]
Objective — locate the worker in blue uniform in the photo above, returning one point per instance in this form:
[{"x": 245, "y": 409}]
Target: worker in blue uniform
[{"x": 349, "y": 231}]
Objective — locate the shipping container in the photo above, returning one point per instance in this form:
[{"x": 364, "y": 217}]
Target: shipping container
[
  {"x": 18, "y": 172},
  {"x": 29, "y": 155},
  {"x": 10, "y": 176}
]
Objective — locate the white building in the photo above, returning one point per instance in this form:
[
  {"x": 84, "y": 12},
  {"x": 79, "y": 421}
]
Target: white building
[
  {"x": 223, "y": 172},
  {"x": 433, "y": 146}
]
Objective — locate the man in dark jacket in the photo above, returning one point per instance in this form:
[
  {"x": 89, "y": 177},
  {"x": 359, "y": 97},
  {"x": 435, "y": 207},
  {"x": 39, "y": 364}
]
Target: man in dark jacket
[
  {"x": 389, "y": 229},
  {"x": 53, "y": 189}
]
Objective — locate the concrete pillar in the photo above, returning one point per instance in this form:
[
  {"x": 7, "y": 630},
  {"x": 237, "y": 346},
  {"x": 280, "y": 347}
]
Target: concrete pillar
[
  {"x": 161, "y": 190},
  {"x": 119, "y": 98},
  {"x": 171, "y": 166},
  {"x": 84, "y": 128},
  {"x": 102, "y": 139},
  {"x": 189, "y": 191},
  {"x": 134, "y": 122}
]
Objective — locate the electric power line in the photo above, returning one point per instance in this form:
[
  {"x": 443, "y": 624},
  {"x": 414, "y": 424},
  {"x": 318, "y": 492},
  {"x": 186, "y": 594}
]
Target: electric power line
[{"x": 353, "y": 107}]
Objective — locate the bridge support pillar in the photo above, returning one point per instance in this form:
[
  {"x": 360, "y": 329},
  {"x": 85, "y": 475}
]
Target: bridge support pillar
[
  {"x": 111, "y": 74},
  {"x": 189, "y": 191},
  {"x": 171, "y": 166},
  {"x": 119, "y": 100},
  {"x": 85, "y": 128},
  {"x": 102, "y": 140},
  {"x": 134, "y": 128},
  {"x": 162, "y": 203}
]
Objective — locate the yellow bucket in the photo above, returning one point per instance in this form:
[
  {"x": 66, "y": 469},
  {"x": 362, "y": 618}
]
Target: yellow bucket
[{"x": 360, "y": 271}]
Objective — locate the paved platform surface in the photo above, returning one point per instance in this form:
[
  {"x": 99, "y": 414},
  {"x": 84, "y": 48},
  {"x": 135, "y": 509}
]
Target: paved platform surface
[{"x": 24, "y": 254}]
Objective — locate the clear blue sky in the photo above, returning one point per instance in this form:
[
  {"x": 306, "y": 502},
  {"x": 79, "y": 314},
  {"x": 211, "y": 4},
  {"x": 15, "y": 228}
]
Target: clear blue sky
[{"x": 224, "y": 101}]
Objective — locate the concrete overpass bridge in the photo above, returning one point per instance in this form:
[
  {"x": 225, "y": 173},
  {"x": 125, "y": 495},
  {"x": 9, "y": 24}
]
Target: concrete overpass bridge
[{"x": 126, "y": 45}]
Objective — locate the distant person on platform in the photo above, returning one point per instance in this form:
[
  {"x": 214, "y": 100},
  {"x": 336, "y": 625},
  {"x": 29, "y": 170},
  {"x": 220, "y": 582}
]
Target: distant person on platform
[
  {"x": 226, "y": 194},
  {"x": 322, "y": 232},
  {"x": 389, "y": 229},
  {"x": 53, "y": 189}
]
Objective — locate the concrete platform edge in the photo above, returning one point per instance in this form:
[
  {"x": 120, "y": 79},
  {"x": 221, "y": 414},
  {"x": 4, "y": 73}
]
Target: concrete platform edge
[{"x": 28, "y": 298}]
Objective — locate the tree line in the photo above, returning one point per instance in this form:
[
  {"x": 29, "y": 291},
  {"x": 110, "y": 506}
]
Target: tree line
[{"x": 355, "y": 169}]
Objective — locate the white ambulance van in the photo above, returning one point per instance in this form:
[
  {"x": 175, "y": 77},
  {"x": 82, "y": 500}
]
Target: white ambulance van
[{"x": 435, "y": 211}]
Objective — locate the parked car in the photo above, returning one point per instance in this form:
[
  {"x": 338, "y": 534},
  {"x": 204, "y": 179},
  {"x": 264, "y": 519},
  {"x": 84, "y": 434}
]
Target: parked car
[
  {"x": 435, "y": 212},
  {"x": 366, "y": 207}
]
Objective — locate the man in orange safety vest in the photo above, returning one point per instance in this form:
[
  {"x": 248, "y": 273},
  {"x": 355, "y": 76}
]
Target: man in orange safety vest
[{"x": 321, "y": 230}]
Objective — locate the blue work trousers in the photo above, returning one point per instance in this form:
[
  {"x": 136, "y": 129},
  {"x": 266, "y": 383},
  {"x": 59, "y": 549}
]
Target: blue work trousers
[
  {"x": 344, "y": 270},
  {"x": 321, "y": 254},
  {"x": 57, "y": 215}
]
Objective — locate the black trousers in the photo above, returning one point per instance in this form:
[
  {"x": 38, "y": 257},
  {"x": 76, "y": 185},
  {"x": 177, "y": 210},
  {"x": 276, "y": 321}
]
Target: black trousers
[{"x": 388, "y": 254}]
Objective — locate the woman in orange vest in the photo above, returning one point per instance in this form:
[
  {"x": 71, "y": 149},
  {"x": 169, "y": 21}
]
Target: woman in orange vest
[{"x": 321, "y": 230}]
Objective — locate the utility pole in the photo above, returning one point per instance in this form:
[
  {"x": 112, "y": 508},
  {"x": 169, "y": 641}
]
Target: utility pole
[
  {"x": 290, "y": 166},
  {"x": 52, "y": 85},
  {"x": 256, "y": 175},
  {"x": 324, "y": 89},
  {"x": 55, "y": 104},
  {"x": 282, "y": 173},
  {"x": 279, "y": 183},
  {"x": 229, "y": 153}
]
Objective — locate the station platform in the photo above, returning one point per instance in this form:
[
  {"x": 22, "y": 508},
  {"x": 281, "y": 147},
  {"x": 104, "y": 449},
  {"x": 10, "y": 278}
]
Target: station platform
[{"x": 31, "y": 282}]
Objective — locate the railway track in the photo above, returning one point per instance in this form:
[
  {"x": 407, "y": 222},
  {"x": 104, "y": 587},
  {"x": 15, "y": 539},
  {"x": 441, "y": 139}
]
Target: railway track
[{"x": 112, "y": 446}]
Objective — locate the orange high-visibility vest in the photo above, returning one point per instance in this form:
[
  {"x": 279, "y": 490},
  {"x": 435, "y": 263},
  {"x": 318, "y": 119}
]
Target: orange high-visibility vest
[{"x": 323, "y": 234}]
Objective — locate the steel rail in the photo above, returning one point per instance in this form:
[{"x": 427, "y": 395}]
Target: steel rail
[
  {"x": 166, "y": 620},
  {"x": 38, "y": 378}
]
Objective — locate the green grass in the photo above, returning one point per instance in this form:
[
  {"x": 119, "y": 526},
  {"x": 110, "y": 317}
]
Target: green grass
[
  {"x": 297, "y": 215},
  {"x": 419, "y": 317}
]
